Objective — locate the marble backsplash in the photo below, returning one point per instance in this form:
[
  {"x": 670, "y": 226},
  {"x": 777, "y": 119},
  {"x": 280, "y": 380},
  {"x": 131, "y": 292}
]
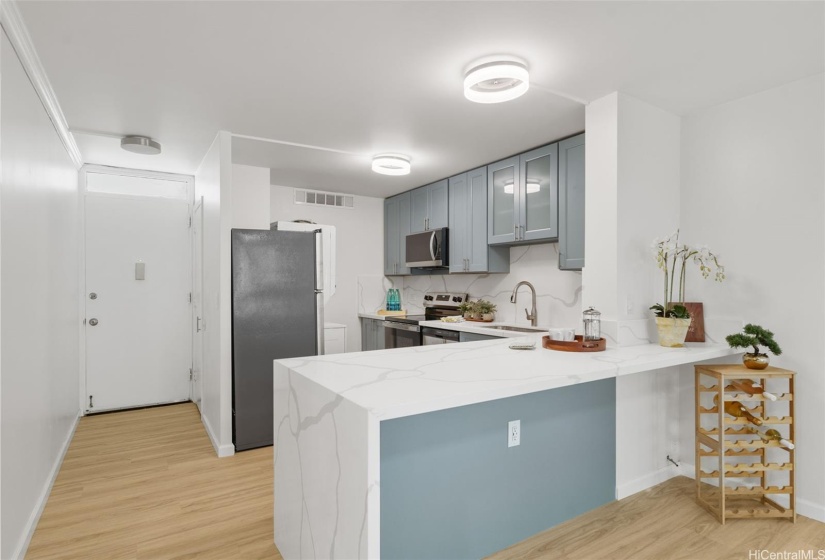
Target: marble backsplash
[{"x": 558, "y": 292}]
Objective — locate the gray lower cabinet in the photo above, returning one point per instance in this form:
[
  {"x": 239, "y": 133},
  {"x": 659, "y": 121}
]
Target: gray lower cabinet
[
  {"x": 428, "y": 207},
  {"x": 396, "y": 229},
  {"x": 372, "y": 334},
  {"x": 571, "y": 203},
  {"x": 469, "y": 251},
  {"x": 473, "y": 337}
]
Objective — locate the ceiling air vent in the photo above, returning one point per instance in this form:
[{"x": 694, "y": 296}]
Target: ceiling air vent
[{"x": 320, "y": 198}]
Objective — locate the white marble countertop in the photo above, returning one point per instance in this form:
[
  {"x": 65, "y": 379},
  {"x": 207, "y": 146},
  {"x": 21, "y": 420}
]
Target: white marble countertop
[
  {"x": 406, "y": 381},
  {"x": 466, "y": 326},
  {"x": 372, "y": 316}
]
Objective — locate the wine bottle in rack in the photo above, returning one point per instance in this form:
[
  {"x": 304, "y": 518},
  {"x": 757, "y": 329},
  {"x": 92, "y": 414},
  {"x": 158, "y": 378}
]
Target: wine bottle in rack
[
  {"x": 752, "y": 388},
  {"x": 737, "y": 409},
  {"x": 772, "y": 435}
]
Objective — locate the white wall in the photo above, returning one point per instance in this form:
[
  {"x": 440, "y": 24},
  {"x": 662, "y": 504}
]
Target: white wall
[
  {"x": 213, "y": 182},
  {"x": 250, "y": 197},
  {"x": 360, "y": 249},
  {"x": 753, "y": 172},
  {"x": 600, "y": 274},
  {"x": 633, "y": 163},
  {"x": 40, "y": 326}
]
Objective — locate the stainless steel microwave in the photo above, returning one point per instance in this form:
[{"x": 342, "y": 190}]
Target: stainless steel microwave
[{"x": 428, "y": 249}]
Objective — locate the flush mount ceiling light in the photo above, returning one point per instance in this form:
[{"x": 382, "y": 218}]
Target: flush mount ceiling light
[
  {"x": 532, "y": 187},
  {"x": 391, "y": 164},
  {"x": 496, "y": 79},
  {"x": 140, "y": 145}
]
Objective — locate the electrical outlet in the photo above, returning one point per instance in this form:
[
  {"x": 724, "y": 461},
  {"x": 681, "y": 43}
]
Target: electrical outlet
[{"x": 513, "y": 433}]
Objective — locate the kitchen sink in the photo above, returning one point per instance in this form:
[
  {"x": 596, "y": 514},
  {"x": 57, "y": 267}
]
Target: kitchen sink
[{"x": 514, "y": 329}]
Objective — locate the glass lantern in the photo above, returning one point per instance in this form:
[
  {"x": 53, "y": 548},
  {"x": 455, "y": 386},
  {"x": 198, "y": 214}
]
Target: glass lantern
[{"x": 592, "y": 327}]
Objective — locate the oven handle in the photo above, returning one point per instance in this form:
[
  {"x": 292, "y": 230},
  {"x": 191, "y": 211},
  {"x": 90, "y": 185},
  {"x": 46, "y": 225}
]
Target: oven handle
[{"x": 401, "y": 326}]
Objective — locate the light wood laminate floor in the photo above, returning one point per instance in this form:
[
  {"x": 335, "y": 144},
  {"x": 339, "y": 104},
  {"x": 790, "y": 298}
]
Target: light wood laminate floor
[
  {"x": 666, "y": 523},
  {"x": 146, "y": 484}
]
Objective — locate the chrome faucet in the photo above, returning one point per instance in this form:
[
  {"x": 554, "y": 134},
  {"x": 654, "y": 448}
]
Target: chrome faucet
[{"x": 532, "y": 315}]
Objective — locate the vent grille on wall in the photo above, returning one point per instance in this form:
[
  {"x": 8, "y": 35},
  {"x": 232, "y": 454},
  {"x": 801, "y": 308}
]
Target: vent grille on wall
[{"x": 319, "y": 198}]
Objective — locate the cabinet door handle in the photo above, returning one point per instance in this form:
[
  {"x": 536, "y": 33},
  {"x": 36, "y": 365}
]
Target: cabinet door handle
[
  {"x": 522, "y": 232},
  {"x": 515, "y": 232}
]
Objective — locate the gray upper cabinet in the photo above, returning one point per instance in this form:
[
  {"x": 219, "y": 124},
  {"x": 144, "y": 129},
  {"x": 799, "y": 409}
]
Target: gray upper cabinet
[
  {"x": 523, "y": 197},
  {"x": 539, "y": 194},
  {"x": 396, "y": 229},
  {"x": 429, "y": 207},
  {"x": 571, "y": 203},
  {"x": 502, "y": 204},
  {"x": 469, "y": 251}
]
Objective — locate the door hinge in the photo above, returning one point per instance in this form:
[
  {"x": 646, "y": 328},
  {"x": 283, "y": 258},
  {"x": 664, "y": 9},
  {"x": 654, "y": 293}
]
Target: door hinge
[
  {"x": 190, "y": 374},
  {"x": 190, "y": 221},
  {"x": 190, "y": 297},
  {"x": 91, "y": 403}
]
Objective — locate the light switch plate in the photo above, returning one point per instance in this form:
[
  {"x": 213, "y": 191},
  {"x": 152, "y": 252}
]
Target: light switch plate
[{"x": 140, "y": 271}]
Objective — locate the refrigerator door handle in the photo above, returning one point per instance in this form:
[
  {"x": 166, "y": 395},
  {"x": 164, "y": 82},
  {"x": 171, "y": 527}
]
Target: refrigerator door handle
[
  {"x": 319, "y": 261},
  {"x": 319, "y": 321}
]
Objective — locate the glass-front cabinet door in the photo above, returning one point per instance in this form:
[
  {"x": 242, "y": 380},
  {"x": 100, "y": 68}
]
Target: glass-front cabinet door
[
  {"x": 503, "y": 200},
  {"x": 539, "y": 207}
]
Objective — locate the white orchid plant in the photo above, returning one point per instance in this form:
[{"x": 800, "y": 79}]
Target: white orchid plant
[{"x": 670, "y": 255}]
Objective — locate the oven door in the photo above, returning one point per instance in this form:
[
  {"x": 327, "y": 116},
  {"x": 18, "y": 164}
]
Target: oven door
[{"x": 401, "y": 335}]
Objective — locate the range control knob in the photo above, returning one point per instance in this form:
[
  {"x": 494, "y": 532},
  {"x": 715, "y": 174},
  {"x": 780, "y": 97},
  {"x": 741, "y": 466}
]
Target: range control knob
[
  {"x": 428, "y": 298},
  {"x": 457, "y": 299}
]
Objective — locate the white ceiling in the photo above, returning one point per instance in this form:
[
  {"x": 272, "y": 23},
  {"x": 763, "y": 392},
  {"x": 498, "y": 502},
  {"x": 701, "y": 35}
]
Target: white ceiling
[{"x": 370, "y": 77}]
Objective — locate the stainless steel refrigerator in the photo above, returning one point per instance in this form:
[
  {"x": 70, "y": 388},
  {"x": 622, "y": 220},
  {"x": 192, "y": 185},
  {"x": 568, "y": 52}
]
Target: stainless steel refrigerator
[{"x": 277, "y": 312}]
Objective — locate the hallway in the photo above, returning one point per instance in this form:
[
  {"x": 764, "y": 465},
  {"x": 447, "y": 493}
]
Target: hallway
[{"x": 146, "y": 484}]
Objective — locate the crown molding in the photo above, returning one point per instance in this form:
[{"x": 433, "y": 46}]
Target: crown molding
[{"x": 12, "y": 23}]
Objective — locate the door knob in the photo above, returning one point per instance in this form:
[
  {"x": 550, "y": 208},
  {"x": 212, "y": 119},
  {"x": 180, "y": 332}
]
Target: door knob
[
  {"x": 93, "y": 322},
  {"x": 93, "y": 296}
]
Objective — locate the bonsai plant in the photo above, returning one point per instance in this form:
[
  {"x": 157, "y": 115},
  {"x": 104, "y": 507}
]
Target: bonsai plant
[
  {"x": 754, "y": 336},
  {"x": 486, "y": 309},
  {"x": 672, "y": 317}
]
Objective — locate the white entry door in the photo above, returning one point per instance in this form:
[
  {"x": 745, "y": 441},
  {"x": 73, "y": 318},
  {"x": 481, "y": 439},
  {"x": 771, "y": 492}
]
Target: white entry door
[{"x": 138, "y": 282}]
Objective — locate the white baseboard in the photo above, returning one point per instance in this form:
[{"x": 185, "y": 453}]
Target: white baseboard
[
  {"x": 34, "y": 518},
  {"x": 687, "y": 469},
  {"x": 226, "y": 450},
  {"x": 647, "y": 481},
  {"x": 810, "y": 510}
]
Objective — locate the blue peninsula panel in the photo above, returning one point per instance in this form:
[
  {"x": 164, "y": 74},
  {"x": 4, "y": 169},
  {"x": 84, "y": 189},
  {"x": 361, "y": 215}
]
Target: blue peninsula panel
[{"x": 451, "y": 488}]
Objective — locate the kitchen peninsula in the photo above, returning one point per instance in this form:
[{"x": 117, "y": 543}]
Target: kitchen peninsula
[{"x": 403, "y": 452}]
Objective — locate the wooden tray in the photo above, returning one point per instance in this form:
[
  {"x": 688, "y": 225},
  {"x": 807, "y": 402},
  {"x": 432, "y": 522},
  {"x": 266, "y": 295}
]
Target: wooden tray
[
  {"x": 572, "y": 345},
  {"x": 479, "y": 320},
  {"x": 401, "y": 313}
]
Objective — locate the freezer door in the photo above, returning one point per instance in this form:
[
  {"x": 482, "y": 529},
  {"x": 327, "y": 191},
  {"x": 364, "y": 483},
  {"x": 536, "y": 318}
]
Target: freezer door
[{"x": 274, "y": 310}]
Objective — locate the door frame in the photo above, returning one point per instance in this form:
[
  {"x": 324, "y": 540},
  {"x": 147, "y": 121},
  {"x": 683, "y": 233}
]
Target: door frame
[
  {"x": 189, "y": 180},
  {"x": 198, "y": 203}
]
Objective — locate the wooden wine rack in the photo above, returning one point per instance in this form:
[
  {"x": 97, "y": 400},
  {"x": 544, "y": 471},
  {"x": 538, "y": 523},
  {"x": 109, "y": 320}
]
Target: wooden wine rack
[{"x": 736, "y": 453}]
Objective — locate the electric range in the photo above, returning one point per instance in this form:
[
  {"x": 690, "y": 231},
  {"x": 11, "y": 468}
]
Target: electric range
[{"x": 403, "y": 332}]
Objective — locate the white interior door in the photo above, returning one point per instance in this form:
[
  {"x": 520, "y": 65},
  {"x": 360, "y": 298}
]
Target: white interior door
[
  {"x": 197, "y": 303},
  {"x": 138, "y": 282}
]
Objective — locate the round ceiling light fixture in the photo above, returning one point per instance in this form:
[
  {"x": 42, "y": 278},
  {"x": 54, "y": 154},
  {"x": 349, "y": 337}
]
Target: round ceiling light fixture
[
  {"x": 140, "y": 145},
  {"x": 496, "y": 79},
  {"x": 391, "y": 164}
]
